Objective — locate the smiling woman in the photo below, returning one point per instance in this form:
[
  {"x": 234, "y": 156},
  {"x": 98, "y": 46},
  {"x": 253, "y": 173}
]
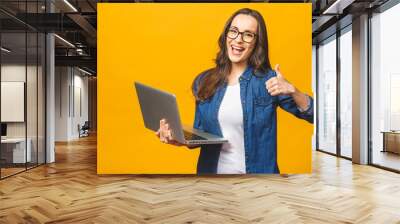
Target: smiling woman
[{"x": 238, "y": 98}]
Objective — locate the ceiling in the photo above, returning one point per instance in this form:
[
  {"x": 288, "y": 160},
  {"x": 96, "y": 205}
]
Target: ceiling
[
  {"x": 72, "y": 20},
  {"x": 76, "y": 22}
]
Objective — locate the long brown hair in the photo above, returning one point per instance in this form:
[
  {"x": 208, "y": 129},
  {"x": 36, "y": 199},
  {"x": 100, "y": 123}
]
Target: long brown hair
[{"x": 258, "y": 59}]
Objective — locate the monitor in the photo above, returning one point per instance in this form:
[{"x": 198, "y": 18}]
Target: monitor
[{"x": 3, "y": 129}]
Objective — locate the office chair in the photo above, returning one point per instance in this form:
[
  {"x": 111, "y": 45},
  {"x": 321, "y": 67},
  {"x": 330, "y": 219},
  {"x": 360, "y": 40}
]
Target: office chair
[{"x": 84, "y": 130}]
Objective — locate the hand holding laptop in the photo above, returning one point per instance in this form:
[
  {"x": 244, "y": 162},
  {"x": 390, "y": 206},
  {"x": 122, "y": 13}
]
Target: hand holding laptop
[{"x": 165, "y": 134}]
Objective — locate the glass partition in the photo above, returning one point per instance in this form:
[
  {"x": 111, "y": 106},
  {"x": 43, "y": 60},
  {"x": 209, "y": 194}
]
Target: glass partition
[
  {"x": 22, "y": 88},
  {"x": 14, "y": 153},
  {"x": 32, "y": 96},
  {"x": 327, "y": 95}
]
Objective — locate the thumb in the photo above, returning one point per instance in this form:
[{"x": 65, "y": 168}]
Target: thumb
[{"x": 278, "y": 71}]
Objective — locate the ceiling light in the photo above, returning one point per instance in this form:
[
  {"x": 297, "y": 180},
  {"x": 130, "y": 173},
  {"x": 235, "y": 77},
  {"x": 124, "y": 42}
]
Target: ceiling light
[
  {"x": 70, "y": 5},
  {"x": 84, "y": 71},
  {"x": 337, "y": 7},
  {"x": 5, "y": 50},
  {"x": 64, "y": 40}
]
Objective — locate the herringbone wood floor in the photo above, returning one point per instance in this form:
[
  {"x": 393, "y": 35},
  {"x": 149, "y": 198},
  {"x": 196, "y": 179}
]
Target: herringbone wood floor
[{"x": 69, "y": 191}]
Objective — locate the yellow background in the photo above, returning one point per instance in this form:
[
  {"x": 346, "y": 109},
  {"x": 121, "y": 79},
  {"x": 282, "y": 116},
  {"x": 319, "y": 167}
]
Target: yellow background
[{"x": 166, "y": 46}]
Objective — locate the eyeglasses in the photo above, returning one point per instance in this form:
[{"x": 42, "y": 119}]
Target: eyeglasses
[{"x": 247, "y": 36}]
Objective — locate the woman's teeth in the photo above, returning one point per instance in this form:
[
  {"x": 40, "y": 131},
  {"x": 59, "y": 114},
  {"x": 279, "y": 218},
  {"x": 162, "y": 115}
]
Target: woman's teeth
[{"x": 237, "y": 50}]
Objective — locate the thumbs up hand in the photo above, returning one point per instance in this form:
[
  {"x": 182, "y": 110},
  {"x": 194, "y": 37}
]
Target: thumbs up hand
[{"x": 279, "y": 85}]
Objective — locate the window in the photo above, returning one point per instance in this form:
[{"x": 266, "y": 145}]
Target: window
[
  {"x": 385, "y": 88},
  {"x": 327, "y": 95},
  {"x": 346, "y": 92}
]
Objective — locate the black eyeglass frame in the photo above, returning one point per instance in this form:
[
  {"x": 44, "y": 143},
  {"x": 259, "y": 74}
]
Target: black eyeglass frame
[{"x": 241, "y": 35}]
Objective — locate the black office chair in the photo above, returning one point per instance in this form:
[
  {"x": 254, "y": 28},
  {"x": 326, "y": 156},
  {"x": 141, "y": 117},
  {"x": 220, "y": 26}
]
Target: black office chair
[{"x": 84, "y": 130}]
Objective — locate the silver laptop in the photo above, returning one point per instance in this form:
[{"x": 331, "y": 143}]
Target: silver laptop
[{"x": 156, "y": 105}]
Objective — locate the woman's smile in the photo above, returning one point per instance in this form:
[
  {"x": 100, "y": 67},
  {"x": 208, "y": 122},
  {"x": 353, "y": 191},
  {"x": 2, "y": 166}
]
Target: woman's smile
[{"x": 237, "y": 50}]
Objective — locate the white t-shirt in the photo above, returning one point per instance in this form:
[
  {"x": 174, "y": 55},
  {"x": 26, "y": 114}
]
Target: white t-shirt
[{"x": 230, "y": 117}]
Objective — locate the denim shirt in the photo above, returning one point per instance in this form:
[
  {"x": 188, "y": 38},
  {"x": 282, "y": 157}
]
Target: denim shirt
[{"x": 259, "y": 122}]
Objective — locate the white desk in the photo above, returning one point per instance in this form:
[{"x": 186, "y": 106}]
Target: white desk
[{"x": 18, "y": 150}]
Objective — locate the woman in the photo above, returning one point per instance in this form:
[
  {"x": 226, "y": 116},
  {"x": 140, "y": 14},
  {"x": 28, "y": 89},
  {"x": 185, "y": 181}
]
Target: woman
[{"x": 238, "y": 98}]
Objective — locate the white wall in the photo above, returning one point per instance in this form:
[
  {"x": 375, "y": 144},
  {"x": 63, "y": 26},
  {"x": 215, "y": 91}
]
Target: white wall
[
  {"x": 81, "y": 84},
  {"x": 71, "y": 102},
  {"x": 9, "y": 73},
  {"x": 16, "y": 73},
  {"x": 12, "y": 101},
  {"x": 62, "y": 81}
]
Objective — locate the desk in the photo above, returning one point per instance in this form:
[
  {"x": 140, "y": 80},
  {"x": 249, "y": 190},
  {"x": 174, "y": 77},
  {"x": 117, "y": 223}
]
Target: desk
[
  {"x": 391, "y": 141},
  {"x": 13, "y": 150}
]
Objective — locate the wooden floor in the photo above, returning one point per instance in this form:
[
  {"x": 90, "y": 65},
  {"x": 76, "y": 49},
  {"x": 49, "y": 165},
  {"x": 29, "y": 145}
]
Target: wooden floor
[
  {"x": 70, "y": 191},
  {"x": 387, "y": 159},
  {"x": 9, "y": 171},
  {"x": 5, "y": 172}
]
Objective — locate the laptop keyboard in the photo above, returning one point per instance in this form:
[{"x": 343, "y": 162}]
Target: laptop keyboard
[{"x": 191, "y": 136}]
